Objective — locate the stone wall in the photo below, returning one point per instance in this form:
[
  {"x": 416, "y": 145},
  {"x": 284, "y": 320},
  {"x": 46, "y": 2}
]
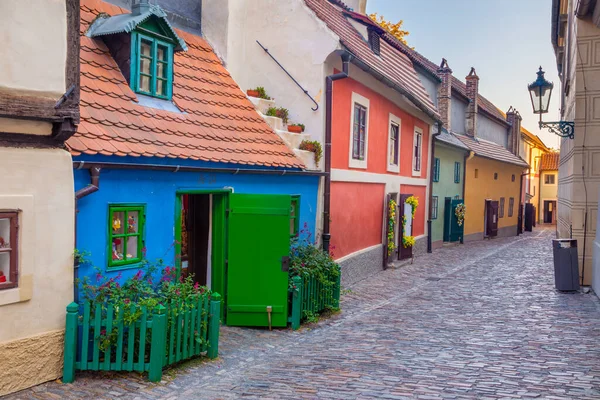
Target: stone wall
[{"x": 362, "y": 265}]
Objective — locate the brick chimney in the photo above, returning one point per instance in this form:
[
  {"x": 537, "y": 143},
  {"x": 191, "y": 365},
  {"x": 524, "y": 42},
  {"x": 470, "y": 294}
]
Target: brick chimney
[
  {"x": 472, "y": 91},
  {"x": 445, "y": 93},
  {"x": 514, "y": 132},
  {"x": 138, "y": 7}
]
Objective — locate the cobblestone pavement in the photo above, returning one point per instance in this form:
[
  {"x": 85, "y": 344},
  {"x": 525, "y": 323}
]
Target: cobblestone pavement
[{"x": 480, "y": 321}]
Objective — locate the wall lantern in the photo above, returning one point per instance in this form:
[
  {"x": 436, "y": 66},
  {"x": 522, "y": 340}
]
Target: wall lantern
[{"x": 540, "y": 92}]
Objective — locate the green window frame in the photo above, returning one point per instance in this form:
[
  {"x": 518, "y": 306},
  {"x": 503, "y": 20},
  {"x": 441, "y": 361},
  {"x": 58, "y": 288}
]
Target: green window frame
[
  {"x": 155, "y": 77},
  {"x": 434, "y": 207},
  {"x": 456, "y": 172},
  {"x": 295, "y": 216},
  {"x": 436, "y": 170},
  {"x": 125, "y": 233}
]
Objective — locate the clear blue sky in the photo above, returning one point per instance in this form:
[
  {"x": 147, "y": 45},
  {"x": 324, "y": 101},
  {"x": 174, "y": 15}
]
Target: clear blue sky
[{"x": 506, "y": 41}]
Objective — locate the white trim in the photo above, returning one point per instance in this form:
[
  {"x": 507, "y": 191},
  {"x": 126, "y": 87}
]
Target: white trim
[
  {"x": 363, "y": 101},
  {"x": 394, "y": 120},
  {"x": 357, "y": 253},
  {"x": 418, "y": 131},
  {"x": 345, "y": 175},
  {"x": 545, "y": 174}
]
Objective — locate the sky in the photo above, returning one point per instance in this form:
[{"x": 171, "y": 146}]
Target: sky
[{"x": 506, "y": 41}]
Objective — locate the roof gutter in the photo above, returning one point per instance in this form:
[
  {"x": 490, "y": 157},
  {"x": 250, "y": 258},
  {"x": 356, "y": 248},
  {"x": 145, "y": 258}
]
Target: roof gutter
[
  {"x": 380, "y": 77},
  {"x": 183, "y": 168}
]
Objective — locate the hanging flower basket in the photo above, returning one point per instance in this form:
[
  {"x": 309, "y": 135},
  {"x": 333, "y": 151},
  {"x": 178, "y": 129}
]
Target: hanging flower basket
[
  {"x": 391, "y": 223},
  {"x": 407, "y": 240},
  {"x": 459, "y": 211}
]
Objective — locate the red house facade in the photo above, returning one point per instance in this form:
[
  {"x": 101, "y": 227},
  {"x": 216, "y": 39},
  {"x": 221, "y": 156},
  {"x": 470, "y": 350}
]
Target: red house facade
[{"x": 382, "y": 121}]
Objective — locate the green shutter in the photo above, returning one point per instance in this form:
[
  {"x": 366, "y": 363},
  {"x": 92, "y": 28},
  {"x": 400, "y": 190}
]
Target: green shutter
[
  {"x": 436, "y": 170},
  {"x": 259, "y": 238}
]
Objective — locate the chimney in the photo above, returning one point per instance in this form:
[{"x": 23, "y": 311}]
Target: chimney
[
  {"x": 445, "y": 93},
  {"x": 359, "y": 6},
  {"x": 514, "y": 132},
  {"x": 138, "y": 7},
  {"x": 472, "y": 91}
]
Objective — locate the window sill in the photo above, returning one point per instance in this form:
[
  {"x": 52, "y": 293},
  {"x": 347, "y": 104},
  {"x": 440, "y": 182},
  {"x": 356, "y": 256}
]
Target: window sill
[
  {"x": 416, "y": 173},
  {"x": 393, "y": 168},
  {"x": 23, "y": 292},
  {"x": 124, "y": 267},
  {"x": 362, "y": 164}
]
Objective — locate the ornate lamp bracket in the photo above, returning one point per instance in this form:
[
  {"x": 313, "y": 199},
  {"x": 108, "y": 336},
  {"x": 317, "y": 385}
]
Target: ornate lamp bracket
[{"x": 560, "y": 128}]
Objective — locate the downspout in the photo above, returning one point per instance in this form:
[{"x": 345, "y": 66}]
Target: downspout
[
  {"x": 432, "y": 163},
  {"x": 328, "y": 112},
  {"x": 468, "y": 156},
  {"x": 92, "y": 187},
  {"x": 519, "y": 230}
]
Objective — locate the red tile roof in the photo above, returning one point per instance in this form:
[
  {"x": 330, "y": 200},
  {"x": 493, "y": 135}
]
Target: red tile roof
[
  {"x": 217, "y": 123},
  {"x": 391, "y": 64},
  {"x": 549, "y": 161},
  {"x": 458, "y": 86}
]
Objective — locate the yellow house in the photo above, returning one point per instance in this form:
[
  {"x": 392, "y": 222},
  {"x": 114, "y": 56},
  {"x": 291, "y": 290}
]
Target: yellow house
[
  {"x": 532, "y": 150},
  {"x": 492, "y": 189}
]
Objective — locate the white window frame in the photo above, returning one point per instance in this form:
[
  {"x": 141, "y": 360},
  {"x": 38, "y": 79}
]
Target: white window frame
[
  {"x": 363, "y": 101},
  {"x": 394, "y": 120},
  {"x": 418, "y": 131}
]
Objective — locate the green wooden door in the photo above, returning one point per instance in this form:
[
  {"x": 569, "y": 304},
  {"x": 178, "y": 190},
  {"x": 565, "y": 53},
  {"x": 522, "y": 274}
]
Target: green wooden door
[
  {"x": 258, "y": 239},
  {"x": 456, "y": 231}
]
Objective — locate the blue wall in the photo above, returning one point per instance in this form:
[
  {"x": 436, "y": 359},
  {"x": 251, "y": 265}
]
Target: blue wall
[{"x": 157, "y": 190}]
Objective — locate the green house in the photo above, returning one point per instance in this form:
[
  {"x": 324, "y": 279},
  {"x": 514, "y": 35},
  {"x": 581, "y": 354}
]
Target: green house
[{"x": 448, "y": 188}]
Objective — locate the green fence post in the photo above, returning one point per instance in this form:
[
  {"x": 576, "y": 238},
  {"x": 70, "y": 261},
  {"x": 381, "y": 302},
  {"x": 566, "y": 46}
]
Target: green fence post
[
  {"x": 296, "y": 302},
  {"x": 70, "y": 343},
  {"x": 214, "y": 325},
  {"x": 157, "y": 346},
  {"x": 336, "y": 290}
]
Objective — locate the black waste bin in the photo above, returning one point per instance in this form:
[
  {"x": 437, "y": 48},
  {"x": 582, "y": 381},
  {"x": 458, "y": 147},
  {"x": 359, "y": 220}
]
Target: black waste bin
[{"x": 566, "y": 264}]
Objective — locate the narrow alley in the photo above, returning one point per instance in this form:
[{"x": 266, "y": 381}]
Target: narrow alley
[{"x": 480, "y": 320}]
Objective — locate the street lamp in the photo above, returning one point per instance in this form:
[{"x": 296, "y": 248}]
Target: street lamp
[{"x": 540, "y": 92}]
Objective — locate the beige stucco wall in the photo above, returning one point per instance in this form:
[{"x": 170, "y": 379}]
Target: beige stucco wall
[
  {"x": 38, "y": 183},
  {"x": 547, "y": 192},
  {"x": 34, "y": 46},
  {"x": 579, "y": 169},
  {"x": 31, "y": 361}
]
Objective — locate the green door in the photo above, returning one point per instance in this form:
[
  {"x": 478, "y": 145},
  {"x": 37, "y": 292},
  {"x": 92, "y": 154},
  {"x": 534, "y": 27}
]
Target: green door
[
  {"x": 259, "y": 238},
  {"x": 456, "y": 231}
]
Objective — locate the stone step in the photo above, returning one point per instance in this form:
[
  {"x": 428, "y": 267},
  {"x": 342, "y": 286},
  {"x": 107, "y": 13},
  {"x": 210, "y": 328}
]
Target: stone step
[
  {"x": 293, "y": 140},
  {"x": 275, "y": 123},
  {"x": 261, "y": 105},
  {"x": 308, "y": 158}
]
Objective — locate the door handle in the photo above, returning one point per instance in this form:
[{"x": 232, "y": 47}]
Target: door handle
[{"x": 285, "y": 263}]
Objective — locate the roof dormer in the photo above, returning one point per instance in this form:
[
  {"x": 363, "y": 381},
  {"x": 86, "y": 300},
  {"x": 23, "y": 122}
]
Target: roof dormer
[{"x": 143, "y": 44}]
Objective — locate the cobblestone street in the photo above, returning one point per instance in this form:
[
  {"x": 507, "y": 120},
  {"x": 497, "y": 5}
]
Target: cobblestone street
[{"x": 480, "y": 320}]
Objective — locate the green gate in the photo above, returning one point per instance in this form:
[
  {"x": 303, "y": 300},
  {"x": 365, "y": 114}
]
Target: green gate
[
  {"x": 452, "y": 231},
  {"x": 258, "y": 250}
]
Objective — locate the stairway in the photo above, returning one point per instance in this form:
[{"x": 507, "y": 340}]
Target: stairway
[{"x": 292, "y": 140}]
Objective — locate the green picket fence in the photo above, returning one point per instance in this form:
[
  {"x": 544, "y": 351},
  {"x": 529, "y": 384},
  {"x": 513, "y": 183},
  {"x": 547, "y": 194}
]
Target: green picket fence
[
  {"x": 166, "y": 335},
  {"x": 313, "y": 296}
]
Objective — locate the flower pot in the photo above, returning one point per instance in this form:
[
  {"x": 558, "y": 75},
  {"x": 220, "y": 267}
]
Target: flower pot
[
  {"x": 294, "y": 129},
  {"x": 252, "y": 93}
]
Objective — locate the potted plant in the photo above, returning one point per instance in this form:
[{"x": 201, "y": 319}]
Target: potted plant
[
  {"x": 314, "y": 146},
  {"x": 259, "y": 92},
  {"x": 295, "y": 128},
  {"x": 278, "y": 112}
]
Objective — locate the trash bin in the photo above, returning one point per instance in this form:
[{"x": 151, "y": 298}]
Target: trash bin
[{"x": 566, "y": 265}]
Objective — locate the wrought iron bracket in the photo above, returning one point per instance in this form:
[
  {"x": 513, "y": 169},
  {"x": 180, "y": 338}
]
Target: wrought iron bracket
[
  {"x": 560, "y": 128},
  {"x": 316, "y": 107}
]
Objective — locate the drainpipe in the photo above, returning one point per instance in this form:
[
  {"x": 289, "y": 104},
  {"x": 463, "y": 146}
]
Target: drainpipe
[
  {"x": 468, "y": 156},
  {"x": 521, "y": 203},
  {"x": 92, "y": 187},
  {"x": 328, "y": 111},
  {"x": 432, "y": 163}
]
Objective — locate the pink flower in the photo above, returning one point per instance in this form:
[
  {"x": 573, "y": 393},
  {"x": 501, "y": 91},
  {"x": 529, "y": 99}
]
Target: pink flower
[
  {"x": 196, "y": 286},
  {"x": 177, "y": 292},
  {"x": 98, "y": 276},
  {"x": 127, "y": 301},
  {"x": 138, "y": 276}
]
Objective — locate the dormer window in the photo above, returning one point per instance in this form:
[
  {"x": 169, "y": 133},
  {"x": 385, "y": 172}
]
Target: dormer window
[
  {"x": 153, "y": 71},
  {"x": 148, "y": 66},
  {"x": 374, "y": 41}
]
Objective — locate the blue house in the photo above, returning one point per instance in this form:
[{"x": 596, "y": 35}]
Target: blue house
[{"x": 173, "y": 162}]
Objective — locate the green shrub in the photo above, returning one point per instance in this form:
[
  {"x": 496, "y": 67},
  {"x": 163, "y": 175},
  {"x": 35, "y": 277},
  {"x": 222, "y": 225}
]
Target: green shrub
[
  {"x": 314, "y": 146},
  {"x": 280, "y": 112}
]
